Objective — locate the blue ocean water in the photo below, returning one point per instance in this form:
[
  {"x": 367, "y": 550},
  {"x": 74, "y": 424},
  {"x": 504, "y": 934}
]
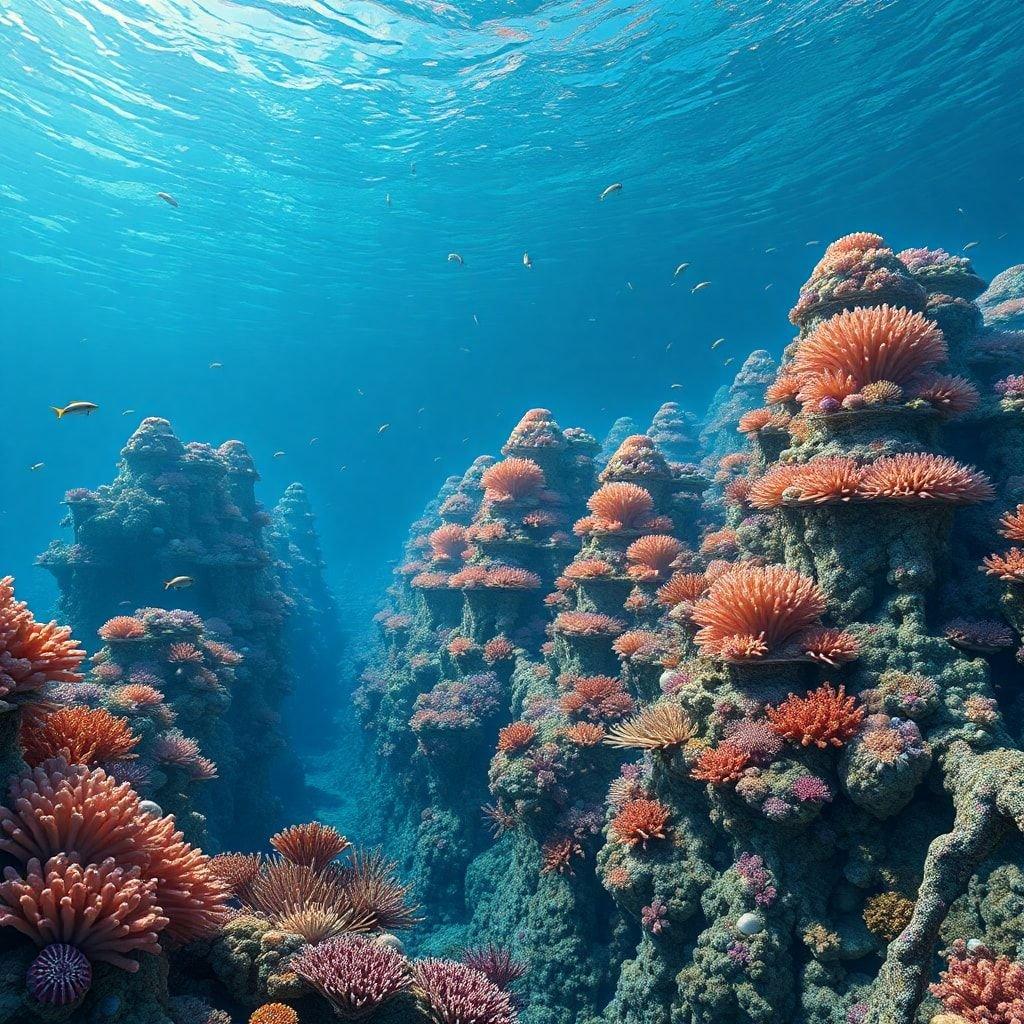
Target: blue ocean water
[{"x": 326, "y": 157}]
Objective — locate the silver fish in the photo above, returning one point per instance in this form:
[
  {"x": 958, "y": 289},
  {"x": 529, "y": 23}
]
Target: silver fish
[
  {"x": 168, "y": 199},
  {"x": 610, "y": 191}
]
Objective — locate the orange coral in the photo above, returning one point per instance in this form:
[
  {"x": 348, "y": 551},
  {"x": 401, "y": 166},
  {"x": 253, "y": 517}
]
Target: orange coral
[
  {"x": 237, "y": 871},
  {"x": 772, "y": 604},
  {"x": 721, "y": 764},
  {"x": 587, "y": 569},
  {"x": 1012, "y": 524},
  {"x": 31, "y": 653},
  {"x": 274, "y": 1013},
  {"x": 783, "y": 389},
  {"x": 596, "y": 698},
  {"x": 640, "y": 821},
  {"x": 660, "y": 727},
  {"x": 460, "y": 646},
  {"x": 1008, "y": 567},
  {"x": 510, "y": 577},
  {"x": 769, "y": 491},
  {"x": 516, "y": 737},
  {"x": 922, "y": 476},
  {"x": 621, "y": 505},
  {"x": 448, "y": 542},
  {"x": 512, "y": 480},
  {"x": 122, "y": 627},
  {"x": 585, "y": 734},
  {"x": 588, "y": 624},
  {"x": 830, "y": 646},
  {"x": 104, "y": 910},
  {"x": 756, "y": 420},
  {"x": 683, "y": 587},
  {"x": 184, "y": 654},
  {"x": 652, "y": 555},
  {"x": 953, "y": 396},
  {"x": 81, "y": 735},
  {"x": 557, "y": 856},
  {"x": 824, "y": 717},
  {"x": 870, "y": 344},
  {"x": 722, "y": 542},
  {"x": 140, "y": 694},
  {"x": 636, "y": 641},
  {"x": 498, "y": 648},
  {"x": 312, "y": 844},
  {"x": 828, "y": 479}
]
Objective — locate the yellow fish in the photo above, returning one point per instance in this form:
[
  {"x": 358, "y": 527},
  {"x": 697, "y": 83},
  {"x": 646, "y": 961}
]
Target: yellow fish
[
  {"x": 178, "y": 583},
  {"x": 74, "y": 409}
]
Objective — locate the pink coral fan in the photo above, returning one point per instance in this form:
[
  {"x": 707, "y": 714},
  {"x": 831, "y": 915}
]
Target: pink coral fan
[
  {"x": 769, "y": 606},
  {"x": 496, "y": 964},
  {"x": 33, "y": 654},
  {"x": 356, "y": 976}
]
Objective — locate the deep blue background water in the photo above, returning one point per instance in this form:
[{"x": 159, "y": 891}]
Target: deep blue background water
[{"x": 281, "y": 127}]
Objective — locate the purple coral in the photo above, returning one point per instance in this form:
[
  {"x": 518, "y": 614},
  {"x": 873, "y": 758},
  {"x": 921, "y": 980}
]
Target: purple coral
[
  {"x": 751, "y": 868},
  {"x": 810, "y": 789},
  {"x": 60, "y": 975},
  {"x": 653, "y": 917},
  {"x": 457, "y": 994}
]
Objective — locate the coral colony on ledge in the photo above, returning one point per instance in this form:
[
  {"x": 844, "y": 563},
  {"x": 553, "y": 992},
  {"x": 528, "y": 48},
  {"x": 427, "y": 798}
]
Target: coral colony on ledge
[{"x": 714, "y": 722}]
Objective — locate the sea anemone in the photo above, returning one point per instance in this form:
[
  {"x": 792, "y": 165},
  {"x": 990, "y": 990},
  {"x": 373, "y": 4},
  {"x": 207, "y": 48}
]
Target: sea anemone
[
  {"x": 768, "y": 606},
  {"x": 682, "y": 588},
  {"x": 924, "y": 477},
  {"x": 122, "y": 627},
  {"x": 953, "y": 396},
  {"x": 830, "y": 647},
  {"x": 651, "y": 557},
  {"x": 636, "y": 642},
  {"x": 510, "y": 577},
  {"x": 512, "y": 480},
  {"x": 515, "y": 737},
  {"x": 621, "y": 506},
  {"x": 448, "y": 542},
  {"x": 587, "y": 569},
  {"x": 497, "y": 965},
  {"x": 659, "y": 727},
  {"x": 313, "y": 844},
  {"x": 824, "y": 717},
  {"x": 588, "y": 624},
  {"x": 585, "y": 734}
]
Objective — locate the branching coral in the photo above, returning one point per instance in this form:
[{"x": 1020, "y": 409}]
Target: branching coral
[
  {"x": 824, "y": 717},
  {"x": 32, "y": 653},
  {"x": 122, "y": 627},
  {"x": 448, "y": 542},
  {"x": 515, "y": 737},
  {"x": 80, "y": 735},
  {"x": 457, "y": 994},
  {"x": 981, "y": 988},
  {"x": 639, "y": 821},
  {"x": 597, "y": 698},
  {"x": 724, "y": 763}
]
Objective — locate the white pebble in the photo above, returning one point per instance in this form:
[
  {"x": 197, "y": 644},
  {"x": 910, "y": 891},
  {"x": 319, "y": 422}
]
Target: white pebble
[{"x": 750, "y": 924}]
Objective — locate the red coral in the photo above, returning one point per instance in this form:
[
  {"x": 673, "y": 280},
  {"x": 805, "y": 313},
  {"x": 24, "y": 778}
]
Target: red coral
[
  {"x": 31, "y": 653},
  {"x": 830, "y": 646},
  {"x": 1008, "y": 567},
  {"x": 636, "y": 641},
  {"x": 721, "y": 764},
  {"x": 1012, "y": 524},
  {"x": 515, "y": 737},
  {"x": 824, "y": 717},
  {"x": 586, "y": 569},
  {"x": 313, "y": 844},
  {"x": 640, "y": 821},
  {"x": 981, "y": 989},
  {"x": 512, "y": 480},
  {"x": 498, "y": 648},
  {"x": 457, "y": 994},
  {"x": 924, "y": 477},
  {"x": 682, "y": 588},
  {"x": 771, "y": 603},
  {"x": 81, "y": 735},
  {"x": 122, "y": 627},
  {"x": 184, "y": 654}
]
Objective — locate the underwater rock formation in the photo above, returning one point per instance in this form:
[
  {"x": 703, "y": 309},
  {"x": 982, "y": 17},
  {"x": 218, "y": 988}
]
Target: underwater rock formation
[
  {"x": 1002, "y": 303},
  {"x": 183, "y": 520},
  {"x": 313, "y": 633},
  {"x": 674, "y": 431},
  {"x": 622, "y": 428}
]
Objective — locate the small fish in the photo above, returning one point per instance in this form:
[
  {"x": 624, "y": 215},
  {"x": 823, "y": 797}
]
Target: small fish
[
  {"x": 716, "y": 343},
  {"x": 610, "y": 191},
  {"x": 462, "y": 348},
  {"x": 476, "y": 320},
  {"x": 454, "y": 257},
  {"x": 1001, "y": 236},
  {"x": 768, "y": 287},
  {"x": 314, "y": 440},
  {"x": 629, "y": 285},
  {"x": 699, "y": 287},
  {"x": 278, "y": 455},
  {"x": 178, "y": 583},
  {"x": 422, "y": 408},
  {"x": 412, "y": 167},
  {"x": 813, "y": 241},
  {"x": 341, "y": 469},
  {"x": 731, "y": 359},
  {"x": 527, "y": 262},
  {"x": 437, "y": 458},
  {"x": 681, "y": 269},
  {"x": 383, "y": 427},
  {"x": 37, "y": 466},
  {"x": 675, "y": 387},
  {"x": 168, "y": 199},
  {"x": 216, "y": 366},
  {"x": 387, "y": 200},
  {"x": 360, "y": 392},
  {"x": 970, "y": 245},
  {"x": 128, "y": 412},
  {"x": 960, "y": 209},
  {"x": 74, "y": 408},
  {"x": 770, "y": 250}
]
